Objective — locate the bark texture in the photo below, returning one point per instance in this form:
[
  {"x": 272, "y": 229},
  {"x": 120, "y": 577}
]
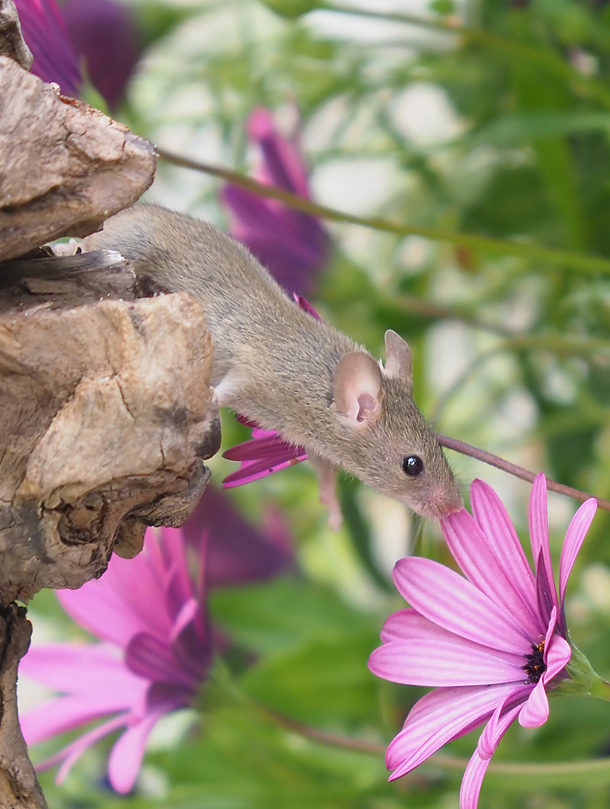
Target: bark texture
[
  {"x": 65, "y": 167},
  {"x": 106, "y": 417}
]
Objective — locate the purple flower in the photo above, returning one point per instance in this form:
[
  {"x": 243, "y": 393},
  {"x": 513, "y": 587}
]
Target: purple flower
[
  {"x": 493, "y": 642},
  {"x": 100, "y": 33},
  {"x": 104, "y": 35},
  {"x": 237, "y": 552},
  {"x": 266, "y": 452},
  {"x": 44, "y": 30},
  {"x": 292, "y": 245},
  {"x": 156, "y": 652}
]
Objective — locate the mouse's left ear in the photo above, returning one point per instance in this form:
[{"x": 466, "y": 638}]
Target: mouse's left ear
[
  {"x": 398, "y": 362},
  {"x": 357, "y": 388}
]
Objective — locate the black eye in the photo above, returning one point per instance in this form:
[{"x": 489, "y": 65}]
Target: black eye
[{"x": 412, "y": 466}]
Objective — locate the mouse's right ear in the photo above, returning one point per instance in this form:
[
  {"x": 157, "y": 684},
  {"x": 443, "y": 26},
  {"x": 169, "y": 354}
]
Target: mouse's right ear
[
  {"x": 357, "y": 386},
  {"x": 398, "y": 359}
]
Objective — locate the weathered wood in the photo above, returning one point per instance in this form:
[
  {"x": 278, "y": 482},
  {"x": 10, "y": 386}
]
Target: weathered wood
[
  {"x": 65, "y": 167},
  {"x": 18, "y": 784},
  {"x": 106, "y": 418},
  {"x": 12, "y": 43}
]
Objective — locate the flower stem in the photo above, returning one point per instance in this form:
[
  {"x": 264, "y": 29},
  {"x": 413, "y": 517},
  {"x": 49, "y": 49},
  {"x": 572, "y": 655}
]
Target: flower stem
[
  {"x": 517, "y": 471},
  {"x": 551, "y": 258}
]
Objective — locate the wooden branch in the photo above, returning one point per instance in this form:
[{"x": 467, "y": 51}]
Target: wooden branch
[
  {"x": 12, "y": 43},
  {"x": 106, "y": 417},
  {"x": 19, "y": 786},
  {"x": 64, "y": 166}
]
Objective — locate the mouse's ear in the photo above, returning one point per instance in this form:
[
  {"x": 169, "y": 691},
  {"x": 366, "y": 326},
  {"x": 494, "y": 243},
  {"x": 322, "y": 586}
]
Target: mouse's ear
[
  {"x": 398, "y": 362},
  {"x": 357, "y": 386}
]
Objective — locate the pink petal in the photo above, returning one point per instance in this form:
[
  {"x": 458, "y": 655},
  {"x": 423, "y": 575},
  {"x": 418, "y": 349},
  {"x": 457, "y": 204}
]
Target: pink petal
[
  {"x": 440, "y": 716},
  {"x": 150, "y": 658},
  {"x": 501, "y": 720},
  {"x": 80, "y": 669},
  {"x": 124, "y": 601},
  {"x": 493, "y": 567},
  {"x": 63, "y": 714},
  {"x": 535, "y": 712},
  {"x": 477, "y": 767},
  {"x": 127, "y": 754},
  {"x": 446, "y": 598},
  {"x": 407, "y": 624},
  {"x": 539, "y": 533},
  {"x": 439, "y": 663},
  {"x": 575, "y": 535},
  {"x": 557, "y": 657},
  {"x": 472, "y": 781},
  {"x": 74, "y": 751},
  {"x": 258, "y": 469}
]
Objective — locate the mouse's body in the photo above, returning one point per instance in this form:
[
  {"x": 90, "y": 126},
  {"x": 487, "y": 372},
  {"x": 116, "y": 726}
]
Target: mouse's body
[{"x": 281, "y": 368}]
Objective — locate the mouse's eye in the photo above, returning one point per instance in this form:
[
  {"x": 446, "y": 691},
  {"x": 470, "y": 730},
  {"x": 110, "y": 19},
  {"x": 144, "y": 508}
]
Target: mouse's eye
[{"x": 412, "y": 466}]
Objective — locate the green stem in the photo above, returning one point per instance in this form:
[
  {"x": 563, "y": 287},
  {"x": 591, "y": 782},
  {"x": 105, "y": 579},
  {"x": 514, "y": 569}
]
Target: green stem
[
  {"x": 554, "y": 258},
  {"x": 520, "y": 50}
]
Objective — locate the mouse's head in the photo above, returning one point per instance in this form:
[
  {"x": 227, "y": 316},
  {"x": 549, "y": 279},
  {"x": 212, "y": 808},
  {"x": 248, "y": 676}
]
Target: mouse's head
[{"x": 390, "y": 445}]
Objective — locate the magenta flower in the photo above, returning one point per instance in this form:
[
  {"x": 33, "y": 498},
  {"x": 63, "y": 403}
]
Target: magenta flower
[
  {"x": 99, "y": 33},
  {"x": 292, "y": 245},
  {"x": 237, "y": 552},
  {"x": 156, "y": 652},
  {"x": 493, "y": 642},
  {"x": 266, "y": 452},
  {"x": 45, "y": 32}
]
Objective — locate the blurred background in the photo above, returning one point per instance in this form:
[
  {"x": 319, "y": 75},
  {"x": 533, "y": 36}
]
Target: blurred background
[{"x": 489, "y": 118}]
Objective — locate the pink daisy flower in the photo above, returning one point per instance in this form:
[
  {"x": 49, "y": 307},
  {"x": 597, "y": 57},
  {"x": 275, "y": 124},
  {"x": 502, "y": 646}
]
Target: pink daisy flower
[
  {"x": 492, "y": 642},
  {"x": 156, "y": 652}
]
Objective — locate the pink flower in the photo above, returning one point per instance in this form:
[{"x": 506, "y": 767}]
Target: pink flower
[
  {"x": 237, "y": 552},
  {"x": 493, "y": 642},
  {"x": 292, "y": 245},
  {"x": 99, "y": 33},
  {"x": 44, "y": 30},
  {"x": 156, "y": 652},
  {"x": 266, "y": 452}
]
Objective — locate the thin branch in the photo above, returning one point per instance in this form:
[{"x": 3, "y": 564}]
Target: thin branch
[
  {"x": 517, "y": 471},
  {"x": 562, "y": 258}
]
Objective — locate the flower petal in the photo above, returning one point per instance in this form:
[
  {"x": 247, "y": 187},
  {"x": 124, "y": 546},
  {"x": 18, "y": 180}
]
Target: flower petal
[
  {"x": 504, "y": 715},
  {"x": 539, "y": 536},
  {"x": 407, "y": 624},
  {"x": 493, "y": 567},
  {"x": 472, "y": 781},
  {"x": 437, "y": 718},
  {"x": 454, "y": 603},
  {"x": 62, "y": 714},
  {"x": 535, "y": 712},
  {"x": 126, "y": 755},
  {"x": 70, "y": 754},
  {"x": 497, "y": 726},
  {"x": 440, "y": 663},
  {"x": 80, "y": 669},
  {"x": 577, "y": 530}
]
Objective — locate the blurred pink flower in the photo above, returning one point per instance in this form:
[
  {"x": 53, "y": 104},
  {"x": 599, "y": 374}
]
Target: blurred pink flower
[
  {"x": 266, "y": 452},
  {"x": 99, "y": 33},
  {"x": 237, "y": 552},
  {"x": 292, "y": 245},
  {"x": 45, "y": 32},
  {"x": 492, "y": 643},
  {"x": 156, "y": 652}
]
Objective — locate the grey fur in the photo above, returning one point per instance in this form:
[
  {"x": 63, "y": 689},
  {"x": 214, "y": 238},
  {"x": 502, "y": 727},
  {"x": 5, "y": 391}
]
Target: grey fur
[{"x": 275, "y": 364}]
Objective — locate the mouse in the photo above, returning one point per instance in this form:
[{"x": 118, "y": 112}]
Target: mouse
[{"x": 281, "y": 368}]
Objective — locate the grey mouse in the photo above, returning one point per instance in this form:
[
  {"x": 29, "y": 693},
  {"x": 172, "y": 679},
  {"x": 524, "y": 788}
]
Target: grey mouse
[{"x": 278, "y": 366}]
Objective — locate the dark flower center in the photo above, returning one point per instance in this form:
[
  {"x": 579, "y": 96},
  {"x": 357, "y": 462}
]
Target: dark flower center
[{"x": 535, "y": 666}]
